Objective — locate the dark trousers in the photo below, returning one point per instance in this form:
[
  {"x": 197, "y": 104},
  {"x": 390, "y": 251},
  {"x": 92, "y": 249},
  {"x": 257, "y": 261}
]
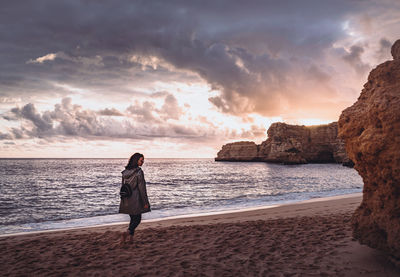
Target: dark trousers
[{"x": 135, "y": 221}]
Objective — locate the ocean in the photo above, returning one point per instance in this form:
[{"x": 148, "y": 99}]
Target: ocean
[{"x": 48, "y": 194}]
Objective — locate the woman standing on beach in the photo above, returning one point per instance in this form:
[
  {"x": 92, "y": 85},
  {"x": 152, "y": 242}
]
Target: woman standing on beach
[{"x": 138, "y": 202}]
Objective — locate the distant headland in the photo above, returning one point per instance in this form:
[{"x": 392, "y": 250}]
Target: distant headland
[{"x": 291, "y": 144}]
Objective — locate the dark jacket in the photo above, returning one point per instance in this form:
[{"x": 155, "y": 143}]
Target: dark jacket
[{"x": 135, "y": 203}]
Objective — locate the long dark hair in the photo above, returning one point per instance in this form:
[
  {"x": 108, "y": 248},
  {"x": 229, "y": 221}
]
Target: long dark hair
[{"x": 133, "y": 161}]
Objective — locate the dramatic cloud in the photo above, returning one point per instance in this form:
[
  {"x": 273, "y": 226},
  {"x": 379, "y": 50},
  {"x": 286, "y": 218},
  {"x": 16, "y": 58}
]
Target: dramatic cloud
[
  {"x": 384, "y": 50},
  {"x": 254, "y": 53},
  {"x": 179, "y": 65},
  {"x": 354, "y": 59},
  {"x": 110, "y": 112},
  {"x": 143, "y": 120}
]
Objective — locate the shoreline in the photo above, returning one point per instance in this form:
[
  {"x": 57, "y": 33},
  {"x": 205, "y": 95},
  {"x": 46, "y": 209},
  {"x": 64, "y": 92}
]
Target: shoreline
[
  {"x": 308, "y": 238},
  {"x": 190, "y": 217}
]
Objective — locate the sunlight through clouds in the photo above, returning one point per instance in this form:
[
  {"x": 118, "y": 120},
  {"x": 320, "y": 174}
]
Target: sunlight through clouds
[{"x": 176, "y": 75}]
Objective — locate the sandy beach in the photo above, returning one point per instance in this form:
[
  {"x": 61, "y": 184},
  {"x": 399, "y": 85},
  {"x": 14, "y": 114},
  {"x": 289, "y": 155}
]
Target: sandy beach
[{"x": 312, "y": 238}]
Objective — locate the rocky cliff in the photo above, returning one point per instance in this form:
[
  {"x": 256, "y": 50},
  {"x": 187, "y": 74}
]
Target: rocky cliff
[
  {"x": 371, "y": 130},
  {"x": 238, "y": 151},
  {"x": 290, "y": 144}
]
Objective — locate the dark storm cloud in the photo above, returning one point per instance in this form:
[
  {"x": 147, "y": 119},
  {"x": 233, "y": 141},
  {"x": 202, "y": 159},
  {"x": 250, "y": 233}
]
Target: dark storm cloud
[
  {"x": 250, "y": 51},
  {"x": 385, "y": 45},
  {"x": 353, "y": 57},
  {"x": 384, "y": 50}
]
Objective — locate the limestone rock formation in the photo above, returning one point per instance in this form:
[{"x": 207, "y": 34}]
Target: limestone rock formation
[
  {"x": 396, "y": 50},
  {"x": 238, "y": 151},
  {"x": 371, "y": 130},
  {"x": 290, "y": 144},
  {"x": 285, "y": 144}
]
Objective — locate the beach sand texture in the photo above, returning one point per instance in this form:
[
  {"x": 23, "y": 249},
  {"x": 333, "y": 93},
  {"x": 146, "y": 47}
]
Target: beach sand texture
[{"x": 303, "y": 239}]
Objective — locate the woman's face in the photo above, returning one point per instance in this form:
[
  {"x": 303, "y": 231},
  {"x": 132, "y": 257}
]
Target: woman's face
[{"x": 140, "y": 161}]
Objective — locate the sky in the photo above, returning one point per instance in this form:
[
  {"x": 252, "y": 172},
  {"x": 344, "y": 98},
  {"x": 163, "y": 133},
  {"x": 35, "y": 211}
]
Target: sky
[{"x": 178, "y": 79}]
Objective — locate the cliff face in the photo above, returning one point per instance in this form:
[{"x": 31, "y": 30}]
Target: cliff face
[
  {"x": 371, "y": 129},
  {"x": 238, "y": 151},
  {"x": 290, "y": 144}
]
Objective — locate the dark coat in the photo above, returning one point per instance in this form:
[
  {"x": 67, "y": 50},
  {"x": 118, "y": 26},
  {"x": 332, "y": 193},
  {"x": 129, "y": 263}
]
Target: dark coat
[{"x": 135, "y": 203}]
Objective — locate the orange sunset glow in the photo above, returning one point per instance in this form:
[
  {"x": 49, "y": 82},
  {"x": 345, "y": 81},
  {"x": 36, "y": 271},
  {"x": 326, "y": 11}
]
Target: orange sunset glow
[{"x": 173, "y": 80}]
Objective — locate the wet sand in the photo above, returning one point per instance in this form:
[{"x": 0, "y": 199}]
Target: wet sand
[{"x": 312, "y": 238}]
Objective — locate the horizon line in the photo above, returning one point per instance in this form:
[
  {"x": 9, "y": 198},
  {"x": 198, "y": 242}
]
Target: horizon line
[{"x": 54, "y": 158}]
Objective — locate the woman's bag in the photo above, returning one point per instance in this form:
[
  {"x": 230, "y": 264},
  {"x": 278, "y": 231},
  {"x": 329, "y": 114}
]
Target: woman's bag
[{"x": 125, "y": 191}]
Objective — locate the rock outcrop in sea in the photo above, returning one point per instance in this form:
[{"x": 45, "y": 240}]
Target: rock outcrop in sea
[
  {"x": 290, "y": 144},
  {"x": 371, "y": 130},
  {"x": 246, "y": 151}
]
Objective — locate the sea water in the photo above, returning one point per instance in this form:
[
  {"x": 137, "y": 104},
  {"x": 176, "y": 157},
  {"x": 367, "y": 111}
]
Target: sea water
[{"x": 47, "y": 194}]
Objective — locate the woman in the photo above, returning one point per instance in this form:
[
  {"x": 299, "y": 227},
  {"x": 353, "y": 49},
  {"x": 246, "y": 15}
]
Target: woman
[{"x": 138, "y": 202}]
